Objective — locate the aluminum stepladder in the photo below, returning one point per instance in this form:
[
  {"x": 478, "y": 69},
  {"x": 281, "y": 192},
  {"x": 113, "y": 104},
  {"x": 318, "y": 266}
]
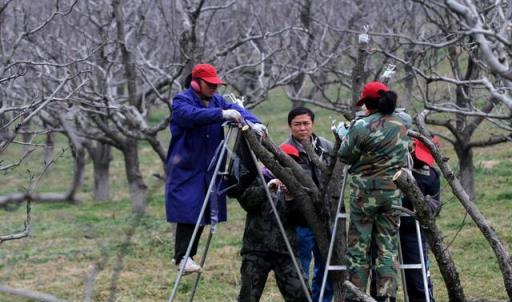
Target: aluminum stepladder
[
  {"x": 219, "y": 158},
  {"x": 345, "y": 216},
  {"x": 422, "y": 265},
  {"x": 339, "y": 216}
]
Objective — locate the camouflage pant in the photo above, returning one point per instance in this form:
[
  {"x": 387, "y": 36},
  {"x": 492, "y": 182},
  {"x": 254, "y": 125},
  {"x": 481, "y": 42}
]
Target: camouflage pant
[
  {"x": 372, "y": 221},
  {"x": 255, "y": 269}
]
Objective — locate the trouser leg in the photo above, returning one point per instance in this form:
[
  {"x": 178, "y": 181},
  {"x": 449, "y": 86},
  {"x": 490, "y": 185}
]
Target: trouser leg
[
  {"x": 305, "y": 243},
  {"x": 254, "y": 272},
  {"x": 318, "y": 274},
  {"x": 288, "y": 279},
  {"x": 386, "y": 243},
  {"x": 359, "y": 238},
  {"x": 182, "y": 239}
]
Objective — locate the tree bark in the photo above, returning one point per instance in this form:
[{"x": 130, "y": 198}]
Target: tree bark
[
  {"x": 358, "y": 75},
  {"x": 466, "y": 168},
  {"x": 101, "y": 155},
  {"x": 26, "y": 138},
  {"x": 138, "y": 189},
  {"x": 407, "y": 185},
  {"x": 48, "y": 148}
]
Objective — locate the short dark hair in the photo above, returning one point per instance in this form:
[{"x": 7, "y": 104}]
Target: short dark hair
[{"x": 300, "y": 111}]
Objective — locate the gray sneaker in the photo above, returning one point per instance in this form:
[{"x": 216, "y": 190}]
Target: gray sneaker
[{"x": 190, "y": 266}]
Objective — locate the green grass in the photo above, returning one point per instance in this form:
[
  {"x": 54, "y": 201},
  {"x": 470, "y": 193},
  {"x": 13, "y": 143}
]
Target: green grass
[{"x": 67, "y": 241}]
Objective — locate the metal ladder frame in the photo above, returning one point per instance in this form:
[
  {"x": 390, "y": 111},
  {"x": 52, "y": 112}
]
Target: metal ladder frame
[{"x": 345, "y": 216}]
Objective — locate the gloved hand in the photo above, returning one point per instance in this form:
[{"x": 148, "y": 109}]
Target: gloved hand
[
  {"x": 231, "y": 115},
  {"x": 404, "y": 117},
  {"x": 260, "y": 129},
  {"x": 274, "y": 184},
  {"x": 341, "y": 130}
]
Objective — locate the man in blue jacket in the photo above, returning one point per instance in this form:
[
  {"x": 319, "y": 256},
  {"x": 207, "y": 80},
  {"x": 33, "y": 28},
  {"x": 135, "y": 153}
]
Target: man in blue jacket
[{"x": 196, "y": 128}]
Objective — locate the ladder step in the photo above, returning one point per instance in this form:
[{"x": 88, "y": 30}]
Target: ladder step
[
  {"x": 337, "y": 268},
  {"x": 410, "y": 266},
  {"x": 342, "y": 215}
]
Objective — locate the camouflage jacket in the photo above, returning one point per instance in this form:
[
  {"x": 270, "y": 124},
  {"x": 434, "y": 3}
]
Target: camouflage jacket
[
  {"x": 376, "y": 147},
  {"x": 262, "y": 234}
]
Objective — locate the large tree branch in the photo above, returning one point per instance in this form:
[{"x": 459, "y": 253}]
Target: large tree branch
[{"x": 489, "y": 233}]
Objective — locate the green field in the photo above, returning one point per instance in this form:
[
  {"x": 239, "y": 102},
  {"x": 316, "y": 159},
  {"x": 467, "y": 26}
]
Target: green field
[{"x": 130, "y": 256}]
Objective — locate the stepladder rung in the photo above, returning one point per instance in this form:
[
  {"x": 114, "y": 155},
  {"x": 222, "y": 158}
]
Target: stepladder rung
[
  {"x": 410, "y": 266},
  {"x": 337, "y": 268}
]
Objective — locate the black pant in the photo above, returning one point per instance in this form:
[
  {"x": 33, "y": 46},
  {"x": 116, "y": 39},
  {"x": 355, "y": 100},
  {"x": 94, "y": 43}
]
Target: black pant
[
  {"x": 255, "y": 269},
  {"x": 414, "y": 277},
  {"x": 182, "y": 239}
]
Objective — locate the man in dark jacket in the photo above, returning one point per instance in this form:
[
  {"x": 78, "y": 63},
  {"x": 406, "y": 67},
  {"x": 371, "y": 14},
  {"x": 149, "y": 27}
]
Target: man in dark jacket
[
  {"x": 301, "y": 122},
  {"x": 264, "y": 248}
]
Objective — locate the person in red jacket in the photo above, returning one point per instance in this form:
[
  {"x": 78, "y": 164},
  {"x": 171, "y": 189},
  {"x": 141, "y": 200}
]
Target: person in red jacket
[
  {"x": 196, "y": 131},
  {"x": 427, "y": 179}
]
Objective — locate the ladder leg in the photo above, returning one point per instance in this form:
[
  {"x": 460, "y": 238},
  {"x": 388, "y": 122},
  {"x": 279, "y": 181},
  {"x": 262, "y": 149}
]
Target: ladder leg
[
  {"x": 333, "y": 234},
  {"x": 203, "y": 260},
  {"x": 201, "y": 214},
  {"x": 422, "y": 261},
  {"x": 402, "y": 270}
]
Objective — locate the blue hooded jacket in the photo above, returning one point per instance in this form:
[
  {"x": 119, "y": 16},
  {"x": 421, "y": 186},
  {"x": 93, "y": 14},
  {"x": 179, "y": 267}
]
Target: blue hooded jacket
[{"x": 196, "y": 133}]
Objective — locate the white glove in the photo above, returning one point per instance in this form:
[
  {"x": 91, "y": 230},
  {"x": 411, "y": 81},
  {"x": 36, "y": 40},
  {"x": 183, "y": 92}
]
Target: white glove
[
  {"x": 404, "y": 117},
  {"x": 341, "y": 130},
  {"x": 231, "y": 115},
  {"x": 363, "y": 38},
  {"x": 260, "y": 129},
  {"x": 274, "y": 184},
  {"x": 389, "y": 72}
]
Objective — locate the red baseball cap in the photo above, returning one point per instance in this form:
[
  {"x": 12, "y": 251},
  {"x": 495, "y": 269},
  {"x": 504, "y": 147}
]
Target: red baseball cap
[
  {"x": 290, "y": 150},
  {"x": 207, "y": 73},
  {"x": 422, "y": 152},
  {"x": 370, "y": 91}
]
